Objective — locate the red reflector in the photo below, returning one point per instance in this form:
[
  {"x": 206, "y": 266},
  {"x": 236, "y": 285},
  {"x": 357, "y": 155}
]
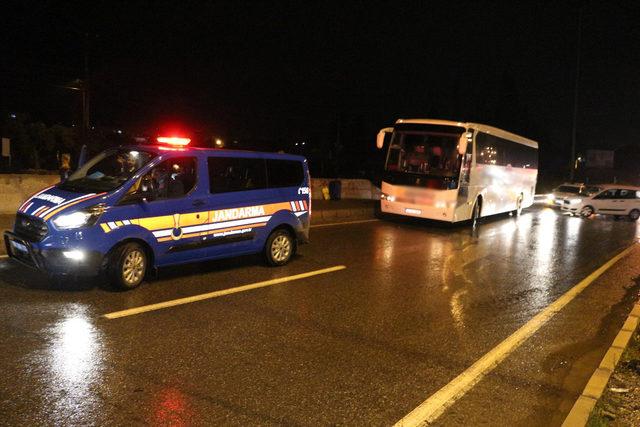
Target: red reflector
[{"x": 174, "y": 140}]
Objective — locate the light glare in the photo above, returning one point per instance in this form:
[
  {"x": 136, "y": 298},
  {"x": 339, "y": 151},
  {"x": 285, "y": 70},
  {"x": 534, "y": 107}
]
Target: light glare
[{"x": 174, "y": 140}]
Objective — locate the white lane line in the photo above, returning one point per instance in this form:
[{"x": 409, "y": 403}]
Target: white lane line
[
  {"x": 216, "y": 294},
  {"x": 429, "y": 410},
  {"x": 344, "y": 223}
]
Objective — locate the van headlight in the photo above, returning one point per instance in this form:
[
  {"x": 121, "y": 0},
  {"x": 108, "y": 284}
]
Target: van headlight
[
  {"x": 388, "y": 197},
  {"x": 77, "y": 219}
]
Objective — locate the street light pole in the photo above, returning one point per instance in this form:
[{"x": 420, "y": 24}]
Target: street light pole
[{"x": 575, "y": 97}]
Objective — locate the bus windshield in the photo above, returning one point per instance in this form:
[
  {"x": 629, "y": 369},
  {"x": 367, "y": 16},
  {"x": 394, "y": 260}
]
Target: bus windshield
[
  {"x": 107, "y": 171},
  {"x": 429, "y": 150}
]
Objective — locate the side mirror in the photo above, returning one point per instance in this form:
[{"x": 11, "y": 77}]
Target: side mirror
[
  {"x": 462, "y": 143},
  {"x": 137, "y": 197},
  {"x": 381, "y": 135}
]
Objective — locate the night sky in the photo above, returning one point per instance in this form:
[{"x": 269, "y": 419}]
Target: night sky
[{"x": 293, "y": 70}]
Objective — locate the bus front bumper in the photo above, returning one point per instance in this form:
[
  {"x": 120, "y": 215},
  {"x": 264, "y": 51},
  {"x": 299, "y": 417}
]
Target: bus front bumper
[{"x": 428, "y": 212}]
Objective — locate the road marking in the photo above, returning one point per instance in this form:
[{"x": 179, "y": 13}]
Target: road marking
[
  {"x": 344, "y": 223},
  {"x": 4, "y": 256},
  {"x": 429, "y": 410},
  {"x": 216, "y": 294}
]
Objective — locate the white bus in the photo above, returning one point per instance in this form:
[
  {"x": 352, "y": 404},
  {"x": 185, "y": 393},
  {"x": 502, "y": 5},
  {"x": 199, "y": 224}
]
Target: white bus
[{"x": 452, "y": 171}]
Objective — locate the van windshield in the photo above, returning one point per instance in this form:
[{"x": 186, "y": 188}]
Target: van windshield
[{"x": 107, "y": 171}]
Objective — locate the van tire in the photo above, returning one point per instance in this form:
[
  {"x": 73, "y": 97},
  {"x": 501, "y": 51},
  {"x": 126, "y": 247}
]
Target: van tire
[
  {"x": 280, "y": 248},
  {"x": 127, "y": 266},
  {"x": 634, "y": 214}
]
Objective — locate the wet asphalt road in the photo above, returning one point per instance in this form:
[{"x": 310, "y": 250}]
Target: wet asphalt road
[{"x": 417, "y": 304}]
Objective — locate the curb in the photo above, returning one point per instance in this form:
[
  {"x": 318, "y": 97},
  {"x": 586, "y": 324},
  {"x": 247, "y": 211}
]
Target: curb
[
  {"x": 321, "y": 216},
  {"x": 579, "y": 414}
]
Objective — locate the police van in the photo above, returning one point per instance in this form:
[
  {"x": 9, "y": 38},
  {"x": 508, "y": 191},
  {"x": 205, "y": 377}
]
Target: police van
[{"x": 135, "y": 208}]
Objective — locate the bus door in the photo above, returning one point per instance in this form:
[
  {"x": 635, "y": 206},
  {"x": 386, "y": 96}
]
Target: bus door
[{"x": 465, "y": 194}]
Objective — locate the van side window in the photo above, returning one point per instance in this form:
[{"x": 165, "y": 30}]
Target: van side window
[
  {"x": 284, "y": 173},
  {"x": 170, "y": 179},
  {"x": 227, "y": 174}
]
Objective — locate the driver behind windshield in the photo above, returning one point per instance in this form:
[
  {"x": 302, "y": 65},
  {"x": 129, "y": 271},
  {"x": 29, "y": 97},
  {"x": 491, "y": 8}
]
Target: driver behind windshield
[{"x": 107, "y": 171}]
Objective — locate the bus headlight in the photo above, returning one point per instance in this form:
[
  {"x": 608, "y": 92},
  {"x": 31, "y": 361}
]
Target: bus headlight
[{"x": 77, "y": 219}]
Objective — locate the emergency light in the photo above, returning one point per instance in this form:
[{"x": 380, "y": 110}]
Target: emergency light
[{"x": 174, "y": 140}]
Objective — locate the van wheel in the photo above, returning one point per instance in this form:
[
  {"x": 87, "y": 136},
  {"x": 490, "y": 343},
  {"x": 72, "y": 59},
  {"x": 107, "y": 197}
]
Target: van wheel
[
  {"x": 127, "y": 266},
  {"x": 586, "y": 212},
  {"x": 280, "y": 247},
  {"x": 634, "y": 215}
]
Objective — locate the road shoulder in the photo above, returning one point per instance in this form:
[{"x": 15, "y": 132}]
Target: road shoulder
[{"x": 613, "y": 392}]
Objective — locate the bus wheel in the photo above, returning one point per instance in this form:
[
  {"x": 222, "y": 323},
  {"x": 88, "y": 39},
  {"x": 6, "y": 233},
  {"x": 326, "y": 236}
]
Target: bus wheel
[
  {"x": 586, "y": 212},
  {"x": 634, "y": 215},
  {"x": 280, "y": 247},
  {"x": 518, "y": 210},
  {"x": 127, "y": 266},
  {"x": 475, "y": 214}
]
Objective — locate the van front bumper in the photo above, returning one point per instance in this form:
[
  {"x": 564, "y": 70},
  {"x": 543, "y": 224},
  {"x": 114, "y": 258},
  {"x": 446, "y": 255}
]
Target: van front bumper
[{"x": 73, "y": 261}]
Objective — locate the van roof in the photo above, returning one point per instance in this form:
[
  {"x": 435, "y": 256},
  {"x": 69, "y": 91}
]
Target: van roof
[
  {"x": 217, "y": 152},
  {"x": 478, "y": 126}
]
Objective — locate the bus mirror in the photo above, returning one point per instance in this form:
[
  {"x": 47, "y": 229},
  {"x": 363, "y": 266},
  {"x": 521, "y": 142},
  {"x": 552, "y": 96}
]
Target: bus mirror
[
  {"x": 462, "y": 144},
  {"x": 381, "y": 135}
]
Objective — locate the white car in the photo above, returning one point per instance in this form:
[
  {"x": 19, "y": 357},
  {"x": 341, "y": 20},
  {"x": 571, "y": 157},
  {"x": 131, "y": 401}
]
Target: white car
[
  {"x": 559, "y": 193},
  {"x": 618, "y": 200}
]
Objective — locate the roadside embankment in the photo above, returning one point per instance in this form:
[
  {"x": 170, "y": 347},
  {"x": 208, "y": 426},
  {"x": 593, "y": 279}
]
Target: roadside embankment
[{"x": 15, "y": 188}]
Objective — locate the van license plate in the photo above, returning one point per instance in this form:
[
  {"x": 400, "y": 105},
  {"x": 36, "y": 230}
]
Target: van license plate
[
  {"x": 413, "y": 211},
  {"x": 19, "y": 247}
]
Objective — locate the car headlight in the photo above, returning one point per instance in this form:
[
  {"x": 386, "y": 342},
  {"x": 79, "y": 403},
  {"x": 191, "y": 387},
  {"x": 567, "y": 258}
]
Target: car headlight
[
  {"x": 77, "y": 219},
  {"x": 575, "y": 201},
  {"x": 551, "y": 198}
]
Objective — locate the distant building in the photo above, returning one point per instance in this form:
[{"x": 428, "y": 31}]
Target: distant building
[{"x": 621, "y": 165}]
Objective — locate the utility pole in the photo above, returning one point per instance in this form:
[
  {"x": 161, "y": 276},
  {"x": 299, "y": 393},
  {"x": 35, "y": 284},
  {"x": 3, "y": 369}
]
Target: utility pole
[
  {"x": 85, "y": 92},
  {"x": 575, "y": 96}
]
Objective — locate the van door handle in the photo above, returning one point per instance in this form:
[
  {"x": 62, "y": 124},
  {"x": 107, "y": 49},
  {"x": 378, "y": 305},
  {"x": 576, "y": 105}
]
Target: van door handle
[{"x": 198, "y": 203}]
